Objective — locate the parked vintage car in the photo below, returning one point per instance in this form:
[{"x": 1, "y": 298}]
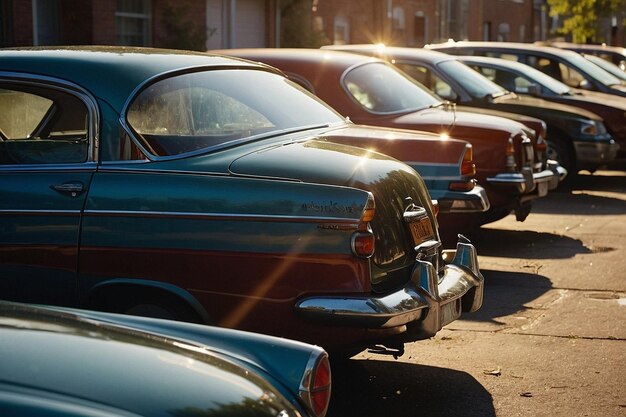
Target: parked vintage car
[
  {"x": 577, "y": 139},
  {"x": 614, "y": 54},
  {"x": 608, "y": 66},
  {"x": 371, "y": 91},
  {"x": 61, "y": 362},
  {"x": 566, "y": 66},
  {"x": 205, "y": 188},
  {"x": 522, "y": 79}
]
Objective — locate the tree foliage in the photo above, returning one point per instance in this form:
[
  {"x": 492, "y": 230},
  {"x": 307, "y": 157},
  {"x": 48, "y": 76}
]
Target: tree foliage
[{"x": 581, "y": 17}]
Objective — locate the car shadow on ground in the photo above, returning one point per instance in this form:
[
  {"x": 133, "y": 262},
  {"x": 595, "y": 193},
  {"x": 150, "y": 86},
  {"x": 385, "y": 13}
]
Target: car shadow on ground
[
  {"x": 508, "y": 293},
  {"x": 602, "y": 181},
  {"x": 580, "y": 202},
  {"x": 526, "y": 244},
  {"x": 381, "y": 388}
]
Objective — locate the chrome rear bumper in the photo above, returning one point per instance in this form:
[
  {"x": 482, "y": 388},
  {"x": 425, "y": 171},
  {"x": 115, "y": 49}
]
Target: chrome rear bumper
[{"x": 426, "y": 301}]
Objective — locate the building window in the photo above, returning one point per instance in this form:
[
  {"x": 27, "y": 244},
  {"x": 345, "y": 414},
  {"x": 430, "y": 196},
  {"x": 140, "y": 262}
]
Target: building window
[
  {"x": 398, "y": 18},
  {"x": 419, "y": 29},
  {"x": 133, "y": 22},
  {"x": 342, "y": 31},
  {"x": 45, "y": 22},
  {"x": 503, "y": 32},
  {"x": 486, "y": 31}
]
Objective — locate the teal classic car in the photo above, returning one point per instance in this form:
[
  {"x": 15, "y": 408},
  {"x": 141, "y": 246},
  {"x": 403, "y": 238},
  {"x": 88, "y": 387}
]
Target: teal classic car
[
  {"x": 63, "y": 362},
  {"x": 207, "y": 189}
]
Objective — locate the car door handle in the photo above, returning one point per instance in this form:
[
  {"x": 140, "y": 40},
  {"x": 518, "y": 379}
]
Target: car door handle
[{"x": 74, "y": 188}]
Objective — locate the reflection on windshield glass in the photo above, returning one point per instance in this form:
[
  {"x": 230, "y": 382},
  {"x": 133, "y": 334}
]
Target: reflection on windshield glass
[
  {"x": 593, "y": 70},
  {"x": 474, "y": 83},
  {"x": 380, "y": 88},
  {"x": 196, "y": 111}
]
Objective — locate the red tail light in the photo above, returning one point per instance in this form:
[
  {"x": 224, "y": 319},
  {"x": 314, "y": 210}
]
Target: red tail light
[
  {"x": 363, "y": 240},
  {"x": 468, "y": 168},
  {"x": 316, "y": 386},
  {"x": 363, "y": 243},
  {"x": 511, "y": 166}
]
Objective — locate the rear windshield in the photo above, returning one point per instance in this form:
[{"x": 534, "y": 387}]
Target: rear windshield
[{"x": 211, "y": 109}]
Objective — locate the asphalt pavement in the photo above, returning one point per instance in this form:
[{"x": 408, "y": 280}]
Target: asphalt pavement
[{"x": 550, "y": 339}]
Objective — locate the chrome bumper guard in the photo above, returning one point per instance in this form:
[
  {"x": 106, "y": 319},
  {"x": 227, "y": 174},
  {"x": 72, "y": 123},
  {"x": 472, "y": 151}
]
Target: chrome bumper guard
[
  {"x": 474, "y": 201},
  {"x": 524, "y": 181},
  {"x": 559, "y": 173},
  {"x": 528, "y": 181},
  {"x": 425, "y": 300}
]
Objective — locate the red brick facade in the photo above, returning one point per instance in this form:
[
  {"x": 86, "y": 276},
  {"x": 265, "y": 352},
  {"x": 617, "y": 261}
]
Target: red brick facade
[{"x": 183, "y": 23}]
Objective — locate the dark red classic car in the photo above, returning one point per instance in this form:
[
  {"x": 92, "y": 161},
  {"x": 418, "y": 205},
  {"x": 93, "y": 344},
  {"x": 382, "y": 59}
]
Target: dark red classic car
[{"x": 371, "y": 91}]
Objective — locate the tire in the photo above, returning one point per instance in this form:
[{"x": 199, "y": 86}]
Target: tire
[
  {"x": 163, "y": 308},
  {"x": 564, "y": 154}
]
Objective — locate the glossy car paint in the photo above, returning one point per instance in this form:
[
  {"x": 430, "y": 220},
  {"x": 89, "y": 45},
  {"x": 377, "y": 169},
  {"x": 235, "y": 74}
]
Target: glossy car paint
[
  {"x": 563, "y": 121},
  {"x": 235, "y": 236},
  {"x": 129, "y": 365},
  {"x": 611, "y": 109},
  {"x": 529, "y": 53},
  {"x": 324, "y": 70}
]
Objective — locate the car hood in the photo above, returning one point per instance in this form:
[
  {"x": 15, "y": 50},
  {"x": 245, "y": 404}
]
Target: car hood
[
  {"x": 537, "y": 103},
  {"x": 538, "y": 126},
  {"x": 459, "y": 124},
  {"x": 121, "y": 367},
  {"x": 597, "y": 98}
]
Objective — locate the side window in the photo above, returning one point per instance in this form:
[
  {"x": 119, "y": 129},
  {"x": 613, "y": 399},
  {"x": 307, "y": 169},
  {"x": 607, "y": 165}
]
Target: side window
[
  {"x": 546, "y": 65},
  {"x": 41, "y": 126},
  {"x": 511, "y": 81},
  {"x": 488, "y": 73},
  {"x": 426, "y": 77},
  {"x": 570, "y": 76}
]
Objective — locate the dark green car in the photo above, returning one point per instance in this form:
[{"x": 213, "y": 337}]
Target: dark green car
[
  {"x": 71, "y": 363},
  {"x": 209, "y": 189}
]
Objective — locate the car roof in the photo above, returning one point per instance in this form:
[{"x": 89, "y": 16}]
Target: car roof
[
  {"x": 300, "y": 55},
  {"x": 398, "y": 52},
  {"x": 111, "y": 73},
  {"x": 516, "y": 46}
]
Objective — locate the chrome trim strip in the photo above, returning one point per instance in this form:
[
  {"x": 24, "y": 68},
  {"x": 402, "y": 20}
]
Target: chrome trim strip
[
  {"x": 223, "y": 216},
  {"x": 6, "y": 212}
]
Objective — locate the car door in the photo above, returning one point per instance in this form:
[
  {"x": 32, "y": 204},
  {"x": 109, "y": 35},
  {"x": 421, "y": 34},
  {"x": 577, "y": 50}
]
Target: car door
[{"x": 46, "y": 165}]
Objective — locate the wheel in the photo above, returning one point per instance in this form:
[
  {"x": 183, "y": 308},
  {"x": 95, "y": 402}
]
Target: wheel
[
  {"x": 563, "y": 153},
  {"x": 145, "y": 302},
  {"x": 162, "y": 307}
]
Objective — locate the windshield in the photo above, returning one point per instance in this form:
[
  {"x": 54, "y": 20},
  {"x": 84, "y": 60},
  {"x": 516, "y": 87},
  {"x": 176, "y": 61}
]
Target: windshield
[
  {"x": 608, "y": 67},
  {"x": 198, "y": 111},
  {"x": 380, "y": 88},
  {"x": 474, "y": 83},
  {"x": 593, "y": 70}
]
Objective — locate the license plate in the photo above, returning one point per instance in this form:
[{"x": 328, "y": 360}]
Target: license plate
[
  {"x": 421, "y": 230},
  {"x": 450, "y": 312}
]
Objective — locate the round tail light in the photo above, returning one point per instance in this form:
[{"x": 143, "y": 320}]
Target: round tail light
[{"x": 316, "y": 386}]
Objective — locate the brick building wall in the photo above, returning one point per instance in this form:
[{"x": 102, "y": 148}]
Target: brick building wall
[{"x": 21, "y": 13}]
